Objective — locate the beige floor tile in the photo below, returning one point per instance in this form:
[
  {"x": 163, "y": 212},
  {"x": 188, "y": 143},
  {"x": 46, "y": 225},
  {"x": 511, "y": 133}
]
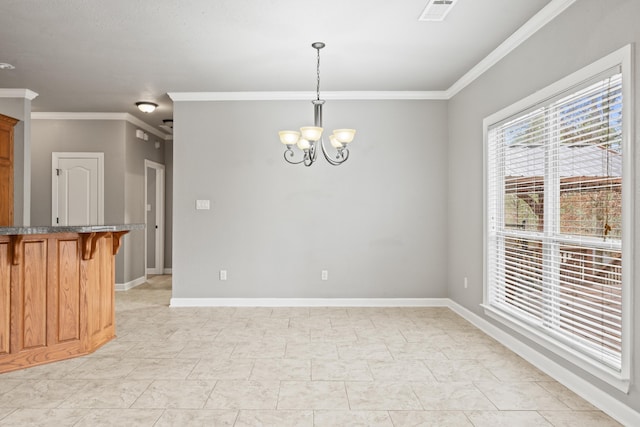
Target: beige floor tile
[
  {"x": 42, "y": 417},
  {"x": 200, "y": 334},
  {"x": 196, "y": 418},
  {"x": 106, "y": 394},
  {"x": 340, "y": 370},
  {"x": 507, "y": 419},
  {"x": 348, "y": 322},
  {"x": 305, "y": 395},
  {"x": 8, "y": 383},
  {"x": 334, "y": 335},
  {"x": 362, "y": 351},
  {"x": 259, "y": 350},
  {"x": 162, "y": 369},
  {"x": 47, "y": 371},
  {"x": 451, "y": 396},
  {"x": 315, "y": 350},
  {"x": 400, "y": 370},
  {"x": 238, "y": 335},
  {"x": 380, "y": 335},
  {"x": 390, "y": 350},
  {"x": 267, "y": 323},
  {"x": 288, "y": 312},
  {"x": 206, "y": 350},
  {"x": 244, "y": 395},
  {"x": 566, "y": 396},
  {"x": 329, "y": 312},
  {"x": 120, "y": 417},
  {"x": 379, "y": 395},
  {"x": 521, "y": 396},
  {"x": 352, "y": 419},
  {"x": 287, "y": 335},
  {"x": 307, "y": 323},
  {"x": 156, "y": 349},
  {"x": 415, "y": 351},
  {"x": 579, "y": 419},
  {"x": 6, "y": 411},
  {"x": 430, "y": 418},
  {"x": 114, "y": 348},
  {"x": 40, "y": 393},
  {"x": 107, "y": 368},
  {"x": 222, "y": 369},
  {"x": 252, "y": 312},
  {"x": 274, "y": 419},
  {"x": 281, "y": 369},
  {"x": 459, "y": 370},
  {"x": 427, "y": 335},
  {"x": 506, "y": 370},
  {"x": 182, "y": 394}
]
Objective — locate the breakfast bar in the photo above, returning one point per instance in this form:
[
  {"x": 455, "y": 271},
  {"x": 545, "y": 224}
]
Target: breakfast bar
[{"x": 57, "y": 291}]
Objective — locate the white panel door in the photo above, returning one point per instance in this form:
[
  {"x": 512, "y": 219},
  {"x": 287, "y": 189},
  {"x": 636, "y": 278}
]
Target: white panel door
[{"x": 77, "y": 192}]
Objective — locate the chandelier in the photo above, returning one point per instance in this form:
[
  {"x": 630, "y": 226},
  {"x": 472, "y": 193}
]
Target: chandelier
[{"x": 310, "y": 137}]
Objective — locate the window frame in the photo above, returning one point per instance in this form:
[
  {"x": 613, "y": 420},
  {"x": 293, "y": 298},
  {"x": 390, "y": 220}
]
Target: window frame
[{"x": 621, "y": 58}]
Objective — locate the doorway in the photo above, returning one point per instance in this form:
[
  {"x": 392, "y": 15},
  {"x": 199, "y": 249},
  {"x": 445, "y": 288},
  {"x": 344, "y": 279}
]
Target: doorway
[
  {"x": 77, "y": 188},
  {"x": 154, "y": 216}
]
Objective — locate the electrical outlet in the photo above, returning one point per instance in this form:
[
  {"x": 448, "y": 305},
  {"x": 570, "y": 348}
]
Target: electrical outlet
[
  {"x": 466, "y": 283},
  {"x": 223, "y": 274},
  {"x": 325, "y": 275}
]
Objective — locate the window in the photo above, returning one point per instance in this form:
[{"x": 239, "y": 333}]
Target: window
[{"x": 556, "y": 232}]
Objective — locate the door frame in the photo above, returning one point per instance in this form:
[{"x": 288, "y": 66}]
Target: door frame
[
  {"x": 55, "y": 158},
  {"x": 160, "y": 207}
]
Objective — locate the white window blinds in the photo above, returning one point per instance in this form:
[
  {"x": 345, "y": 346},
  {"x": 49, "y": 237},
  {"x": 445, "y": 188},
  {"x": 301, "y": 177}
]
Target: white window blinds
[{"x": 554, "y": 218}]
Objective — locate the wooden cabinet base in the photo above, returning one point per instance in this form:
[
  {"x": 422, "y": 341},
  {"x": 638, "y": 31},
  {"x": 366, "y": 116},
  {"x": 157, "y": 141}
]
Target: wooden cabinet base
[{"x": 57, "y": 300}]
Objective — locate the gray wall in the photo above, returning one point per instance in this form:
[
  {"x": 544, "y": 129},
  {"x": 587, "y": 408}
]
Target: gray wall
[
  {"x": 20, "y": 109},
  {"x": 136, "y": 151},
  {"x": 106, "y": 136},
  {"x": 377, "y": 224},
  {"x": 168, "y": 204},
  {"x": 587, "y": 31}
]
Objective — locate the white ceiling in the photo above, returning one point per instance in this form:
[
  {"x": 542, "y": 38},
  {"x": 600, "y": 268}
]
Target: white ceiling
[{"x": 103, "y": 56}]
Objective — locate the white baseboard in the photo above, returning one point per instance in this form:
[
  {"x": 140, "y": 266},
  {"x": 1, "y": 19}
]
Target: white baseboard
[
  {"x": 597, "y": 397},
  {"x": 130, "y": 285},
  {"x": 168, "y": 271},
  {"x": 309, "y": 302}
]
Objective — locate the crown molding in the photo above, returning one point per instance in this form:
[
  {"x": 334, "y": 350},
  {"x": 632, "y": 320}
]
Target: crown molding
[
  {"x": 532, "y": 26},
  {"x": 18, "y": 93},
  {"x": 100, "y": 116},
  {"x": 305, "y": 96}
]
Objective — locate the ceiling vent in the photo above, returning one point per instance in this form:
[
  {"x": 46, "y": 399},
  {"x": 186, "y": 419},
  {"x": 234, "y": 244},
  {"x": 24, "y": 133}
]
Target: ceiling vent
[{"x": 437, "y": 10}]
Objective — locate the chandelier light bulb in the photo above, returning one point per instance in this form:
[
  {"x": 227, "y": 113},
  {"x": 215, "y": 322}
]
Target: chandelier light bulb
[
  {"x": 311, "y": 133},
  {"x": 334, "y": 142},
  {"x": 303, "y": 144},
  {"x": 289, "y": 137},
  {"x": 345, "y": 136}
]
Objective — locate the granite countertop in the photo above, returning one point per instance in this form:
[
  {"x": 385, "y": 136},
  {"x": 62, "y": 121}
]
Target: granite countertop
[{"x": 12, "y": 231}]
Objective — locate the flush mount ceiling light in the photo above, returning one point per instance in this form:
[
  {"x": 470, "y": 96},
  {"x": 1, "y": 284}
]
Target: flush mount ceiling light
[
  {"x": 309, "y": 137},
  {"x": 167, "y": 125},
  {"x": 437, "y": 10},
  {"x": 6, "y": 66},
  {"x": 146, "y": 107}
]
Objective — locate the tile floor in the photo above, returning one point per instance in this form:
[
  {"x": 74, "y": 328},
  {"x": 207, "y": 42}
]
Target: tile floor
[{"x": 289, "y": 367}]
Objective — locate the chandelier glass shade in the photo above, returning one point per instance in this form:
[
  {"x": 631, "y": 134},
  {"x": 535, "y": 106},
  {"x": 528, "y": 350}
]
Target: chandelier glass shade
[{"x": 309, "y": 139}]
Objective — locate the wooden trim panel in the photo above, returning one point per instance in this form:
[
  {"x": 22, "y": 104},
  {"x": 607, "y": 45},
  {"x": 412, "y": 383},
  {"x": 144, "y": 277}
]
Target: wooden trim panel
[{"x": 57, "y": 297}]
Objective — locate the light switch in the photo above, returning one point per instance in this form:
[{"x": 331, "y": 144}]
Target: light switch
[
  {"x": 148, "y": 208},
  {"x": 203, "y": 204}
]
